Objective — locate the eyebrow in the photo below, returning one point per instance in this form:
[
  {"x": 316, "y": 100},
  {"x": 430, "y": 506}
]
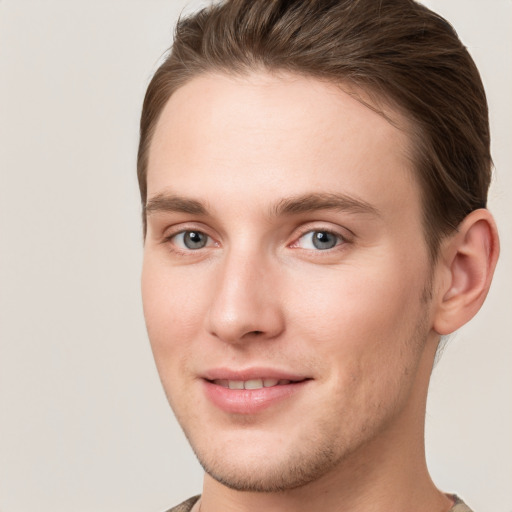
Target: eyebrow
[
  {"x": 174, "y": 203},
  {"x": 294, "y": 205},
  {"x": 323, "y": 201}
]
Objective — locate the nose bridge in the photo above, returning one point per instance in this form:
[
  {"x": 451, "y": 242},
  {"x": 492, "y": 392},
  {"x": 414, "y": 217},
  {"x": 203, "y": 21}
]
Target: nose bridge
[{"x": 242, "y": 303}]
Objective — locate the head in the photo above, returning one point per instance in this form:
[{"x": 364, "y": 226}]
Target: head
[{"x": 312, "y": 177}]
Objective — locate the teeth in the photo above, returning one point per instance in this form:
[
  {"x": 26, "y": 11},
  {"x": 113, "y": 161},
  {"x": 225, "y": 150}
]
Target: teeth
[
  {"x": 253, "y": 384},
  {"x": 250, "y": 384}
]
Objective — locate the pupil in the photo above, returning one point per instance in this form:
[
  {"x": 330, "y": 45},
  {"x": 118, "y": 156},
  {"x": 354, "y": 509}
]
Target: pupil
[
  {"x": 324, "y": 240},
  {"x": 194, "y": 240}
]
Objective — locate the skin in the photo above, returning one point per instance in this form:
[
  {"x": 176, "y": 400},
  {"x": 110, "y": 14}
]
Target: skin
[{"x": 360, "y": 320}]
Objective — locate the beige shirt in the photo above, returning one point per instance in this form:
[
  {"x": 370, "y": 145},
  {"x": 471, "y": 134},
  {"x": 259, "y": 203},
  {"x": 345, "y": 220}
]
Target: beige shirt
[{"x": 186, "y": 506}]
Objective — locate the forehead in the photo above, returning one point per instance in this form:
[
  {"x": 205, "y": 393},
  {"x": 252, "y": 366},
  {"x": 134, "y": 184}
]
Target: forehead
[{"x": 267, "y": 134}]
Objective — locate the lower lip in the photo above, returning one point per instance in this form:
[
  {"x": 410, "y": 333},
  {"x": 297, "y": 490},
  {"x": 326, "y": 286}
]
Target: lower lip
[{"x": 249, "y": 401}]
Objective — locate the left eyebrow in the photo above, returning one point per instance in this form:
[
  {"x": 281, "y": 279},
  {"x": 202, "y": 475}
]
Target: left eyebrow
[{"x": 323, "y": 201}]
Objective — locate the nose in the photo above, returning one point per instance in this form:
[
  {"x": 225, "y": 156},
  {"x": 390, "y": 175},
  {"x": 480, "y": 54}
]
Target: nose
[{"x": 245, "y": 302}]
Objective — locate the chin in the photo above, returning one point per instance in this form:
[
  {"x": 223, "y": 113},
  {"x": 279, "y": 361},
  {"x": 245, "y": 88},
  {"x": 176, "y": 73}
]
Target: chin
[
  {"x": 269, "y": 475},
  {"x": 254, "y": 464}
]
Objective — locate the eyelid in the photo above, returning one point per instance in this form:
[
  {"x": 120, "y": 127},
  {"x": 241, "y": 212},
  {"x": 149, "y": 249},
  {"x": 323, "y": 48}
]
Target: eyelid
[
  {"x": 181, "y": 244},
  {"x": 339, "y": 240},
  {"x": 345, "y": 234},
  {"x": 181, "y": 227},
  {"x": 173, "y": 231}
]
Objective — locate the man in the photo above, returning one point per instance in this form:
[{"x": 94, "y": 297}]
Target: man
[{"x": 313, "y": 177}]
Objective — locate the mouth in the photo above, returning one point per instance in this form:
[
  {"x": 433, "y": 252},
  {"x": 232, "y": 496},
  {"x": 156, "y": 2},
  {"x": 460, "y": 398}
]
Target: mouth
[
  {"x": 253, "y": 391},
  {"x": 253, "y": 383}
]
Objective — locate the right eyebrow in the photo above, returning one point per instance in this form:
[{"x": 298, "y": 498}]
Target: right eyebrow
[{"x": 173, "y": 203}]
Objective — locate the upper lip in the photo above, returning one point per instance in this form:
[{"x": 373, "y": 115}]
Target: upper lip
[{"x": 252, "y": 373}]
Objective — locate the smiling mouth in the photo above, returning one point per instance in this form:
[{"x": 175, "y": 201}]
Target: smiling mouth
[
  {"x": 250, "y": 394},
  {"x": 253, "y": 383}
]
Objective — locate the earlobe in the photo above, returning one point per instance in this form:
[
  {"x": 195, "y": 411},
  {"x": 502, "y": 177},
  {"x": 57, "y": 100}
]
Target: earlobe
[{"x": 469, "y": 258}]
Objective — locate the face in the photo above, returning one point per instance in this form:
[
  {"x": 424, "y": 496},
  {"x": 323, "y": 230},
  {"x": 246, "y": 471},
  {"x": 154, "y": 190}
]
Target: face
[{"x": 284, "y": 278}]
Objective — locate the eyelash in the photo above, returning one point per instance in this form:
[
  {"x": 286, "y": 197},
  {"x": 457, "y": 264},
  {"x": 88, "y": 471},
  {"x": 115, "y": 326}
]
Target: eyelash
[
  {"x": 168, "y": 240},
  {"x": 342, "y": 240}
]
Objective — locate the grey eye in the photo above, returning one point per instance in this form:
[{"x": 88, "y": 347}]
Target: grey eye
[
  {"x": 192, "y": 239},
  {"x": 324, "y": 240},
  {"x": 320, "y": 240}
]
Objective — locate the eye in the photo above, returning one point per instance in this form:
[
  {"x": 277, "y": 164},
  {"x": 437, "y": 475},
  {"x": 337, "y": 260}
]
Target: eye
[
  {"x": 190, "y": 240},
  {"x": 319, "y": 240}
]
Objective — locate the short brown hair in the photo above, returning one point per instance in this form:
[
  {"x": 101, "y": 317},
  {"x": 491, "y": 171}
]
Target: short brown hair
[{"x": 397, "y": 50}]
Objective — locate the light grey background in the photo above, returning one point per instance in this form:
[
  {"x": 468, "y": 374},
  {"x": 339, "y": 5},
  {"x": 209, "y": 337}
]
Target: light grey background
[{"x": 84, "y": 425}]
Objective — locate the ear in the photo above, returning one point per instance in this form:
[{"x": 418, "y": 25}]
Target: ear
[{"x": 467, "y": 262}]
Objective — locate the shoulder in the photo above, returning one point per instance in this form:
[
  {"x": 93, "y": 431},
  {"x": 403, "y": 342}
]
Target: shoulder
[
  {"x": 458, "y": 505},
  {"x": 186, "y": 506}
]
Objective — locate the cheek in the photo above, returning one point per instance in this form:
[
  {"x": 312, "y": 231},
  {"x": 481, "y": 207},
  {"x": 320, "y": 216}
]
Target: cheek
[
  {"x": 173, "y": 311},
  {"x": 365, "y": 336},
  {"x": 360, "y": 316}
]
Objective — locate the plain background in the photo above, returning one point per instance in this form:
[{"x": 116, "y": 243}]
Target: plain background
[{"x": 84, "y": 425}]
